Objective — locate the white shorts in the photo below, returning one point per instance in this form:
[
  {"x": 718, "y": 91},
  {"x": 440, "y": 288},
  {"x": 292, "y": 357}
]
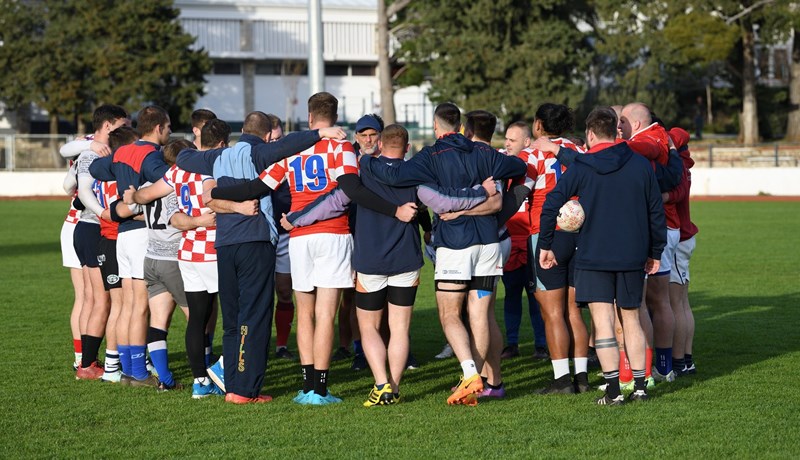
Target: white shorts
[
  {"x": 199, "y": 276},
  {"x": 374, "y": 283},
  {"x": 282, "y": 260},
  {"x": 69, "y": 258},
  {"x": 321, "y": 260},
  {"x": 680, "y": 269},
  {"x": 668, "y": 256},
  {"x": 131, "y": 248},
  {"x": 464, "y": 264}
]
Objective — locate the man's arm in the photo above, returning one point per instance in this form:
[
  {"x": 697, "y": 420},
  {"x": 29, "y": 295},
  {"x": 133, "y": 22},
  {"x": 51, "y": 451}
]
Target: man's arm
[
  {"x": 100, "y": 169},
  {"x": 201, "y": 162},
  {"x": 87, "y": 196},
  {"x": 658, "y": 222},
  {"x": 183, "y": 222},
  {"x": 154, "y": 167},
  {"x": 264, "y": 155},
  {"x": 71, "y": 180},
  {"x": 680, "y": 192},
  {"x": 504, "y": 166},
  {"x": 512, "y": 200},
  {"x": 443, "y": 199},
  {"x": 566, "y": 187},
  {"x": 361, "y": 195},
  {"x": 147, "y": 194},
  {"x": 245, "y": 208},
  {"x": 252, "y": 189},
  {"x": 564, "y": 155},
  {"x": 327, "y": 206},
  {"x": 415, "y": 171}
]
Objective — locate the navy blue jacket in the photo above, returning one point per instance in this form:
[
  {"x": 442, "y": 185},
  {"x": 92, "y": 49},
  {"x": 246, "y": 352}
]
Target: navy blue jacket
[
  {"x": 625, "y": 221},
  {"x": 452, "y": 162}
]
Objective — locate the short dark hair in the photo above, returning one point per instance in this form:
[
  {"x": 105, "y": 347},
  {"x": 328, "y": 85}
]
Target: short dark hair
[
  {"x": 556, "y": 118},
  {"x": 214, "y": 132},
  {"x": 448, "y": 115},
  {"x": 481, "y": 124},
  {"x": 123, "y": 135},
  {"x": 257, "y": 123},
  {"x": 525, "y": 127},
  {"x": 173, "y": 148},
  {"x": 107, "y": 112},
  {"x": 201, "y": 116},
  {"x": 602, "y": 121},
  {"x": 275, "y": 121},
  {"x": 395, "y": 136},
  {"x": 150, "y": 117},
  {"x": 324, "y": 106}
]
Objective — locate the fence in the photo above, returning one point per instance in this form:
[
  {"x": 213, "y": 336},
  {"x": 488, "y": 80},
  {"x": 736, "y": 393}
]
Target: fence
[{"x": 39, "y": 152}]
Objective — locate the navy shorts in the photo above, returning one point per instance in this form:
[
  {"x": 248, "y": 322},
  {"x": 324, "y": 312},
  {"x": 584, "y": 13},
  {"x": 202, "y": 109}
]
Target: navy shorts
[
  {"x": 85, "y": 239},
  {"x": 562, "y": 275},
  {"x": 624, "y": 288},
  {"x": 107, "y": 259}
]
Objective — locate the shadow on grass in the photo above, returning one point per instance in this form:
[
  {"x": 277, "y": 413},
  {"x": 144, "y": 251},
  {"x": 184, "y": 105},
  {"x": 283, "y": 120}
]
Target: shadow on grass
[{"x": 30, "y": 249}]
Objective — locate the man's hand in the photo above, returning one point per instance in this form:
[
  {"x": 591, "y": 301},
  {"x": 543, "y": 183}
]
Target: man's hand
[
  {"x": 246, "y": 208},
  {"x": 406, "y": 212},
  {"x": 100, "y": 148},
  {"x": 127, "y": 196},
  {"x": 451, "y": 215},
  {"x": 333, "y": 132},
  {"x": 207, "y": 195},
  {"x": 665, "y": 197},
  {"x": 285, "y": 223},
  {"x": 670, "y": 143},
  {"x": 106, "y": 215},
  {"x": 652, "y": 266},
  {"x": 489, "y": 186},
  {"x": 207, "y": 220},
  {"x": 547, "y": 259},
  {"x": 545, "y": 145}
]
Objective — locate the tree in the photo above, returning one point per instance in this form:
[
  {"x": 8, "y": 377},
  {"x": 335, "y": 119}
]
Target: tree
[
  {"x": 793, "y": 122},
  {"x": 385, "y": 75}
]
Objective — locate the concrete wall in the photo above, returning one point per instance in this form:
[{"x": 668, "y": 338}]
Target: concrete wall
[{"x": 705, "y": 181}]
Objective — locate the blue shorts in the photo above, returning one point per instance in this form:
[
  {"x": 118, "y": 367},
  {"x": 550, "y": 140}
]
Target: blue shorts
[
  {"x": 86, "y": 239},
  {"x": 623, "y": 288},
  {"x": 561, "y": 275}
]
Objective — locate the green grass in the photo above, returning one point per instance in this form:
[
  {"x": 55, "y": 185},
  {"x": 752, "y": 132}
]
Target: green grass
[{"x": 743, "y": 402}]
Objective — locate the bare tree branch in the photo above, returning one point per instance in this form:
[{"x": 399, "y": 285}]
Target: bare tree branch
[
  {"x": 396, "y": 7},
  {"x": 747, "y": 10}
]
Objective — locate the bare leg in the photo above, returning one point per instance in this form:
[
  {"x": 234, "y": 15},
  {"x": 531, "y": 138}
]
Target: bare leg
[
  {"x": 450, "y": 304},
  {"x": 324, "y": 313},
  {"x": 369, "y": 322},
  {"x": 305, "y": 325},
  {"x": 76, "y": 274},
  {"x": 399, "y": 342}
]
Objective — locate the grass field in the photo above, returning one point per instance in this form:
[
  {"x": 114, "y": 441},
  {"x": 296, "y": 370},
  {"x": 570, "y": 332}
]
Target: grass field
[{"x": 743, "y": 403}]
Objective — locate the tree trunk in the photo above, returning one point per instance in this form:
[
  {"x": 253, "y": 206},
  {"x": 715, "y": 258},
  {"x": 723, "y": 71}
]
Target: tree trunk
[
  {"x": 749, "y": 117},
  {"x": 384, "y": 67},
  {"x": 23, "y": 119},
  {"x": 53, "y": 124},
  {"x": 793, "y": 123},
  {"x": 709, "y": 106}
]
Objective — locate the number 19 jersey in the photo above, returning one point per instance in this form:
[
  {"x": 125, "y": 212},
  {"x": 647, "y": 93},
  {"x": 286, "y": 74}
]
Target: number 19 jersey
[{"x": 313, "y": 173}]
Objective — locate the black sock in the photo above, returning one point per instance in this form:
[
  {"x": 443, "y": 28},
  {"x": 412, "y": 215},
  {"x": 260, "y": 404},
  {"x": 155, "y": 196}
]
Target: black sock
[
  {"x": 687, "y": 359},
  {"x": 308, "y": 377},
  {"x": 678, "y": 364},
  {"x": 612, "y": 383},
  {"x": 90, "y": 346},
  {"x": 321, "y": 382},
  {"x": 639, "y": 382},
  {"x": 494, "y": 387}
]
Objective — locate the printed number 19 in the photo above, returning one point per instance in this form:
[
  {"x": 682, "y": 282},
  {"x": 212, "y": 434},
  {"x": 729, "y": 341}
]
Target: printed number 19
[{"x": 314, "y": 178}]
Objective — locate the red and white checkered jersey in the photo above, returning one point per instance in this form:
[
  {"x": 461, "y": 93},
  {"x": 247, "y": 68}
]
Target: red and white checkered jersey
[
  {"x": 106, "y": 193},
  {"x": 543, "y": 172},
  {"x": 312, "y": 173},
  {"x": 196, "y": 245},
  {"x": 73, "y": 215}
]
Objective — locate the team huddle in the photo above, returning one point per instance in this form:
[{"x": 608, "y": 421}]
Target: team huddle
[{"x": 158, "y": 223}]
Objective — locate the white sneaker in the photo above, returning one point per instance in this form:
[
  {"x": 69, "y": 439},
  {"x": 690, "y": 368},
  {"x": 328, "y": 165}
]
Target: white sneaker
[
  {"x": 663, "y": 378},
  {"x": 112, "y": 377},
  {"x": 447, "y": 352}
]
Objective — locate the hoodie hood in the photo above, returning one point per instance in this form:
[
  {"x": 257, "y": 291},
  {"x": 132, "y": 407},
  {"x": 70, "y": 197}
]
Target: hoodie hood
[
  {"x": 680, "y": 137},
  {"x": 608, "y": 160}
]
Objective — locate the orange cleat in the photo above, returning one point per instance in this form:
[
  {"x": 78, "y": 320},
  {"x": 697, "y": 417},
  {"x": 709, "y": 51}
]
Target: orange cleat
[
  {"x": 93, "y": 372},
  {"x": 465, "y": 388},
  {"x": 237, "y": 399}
]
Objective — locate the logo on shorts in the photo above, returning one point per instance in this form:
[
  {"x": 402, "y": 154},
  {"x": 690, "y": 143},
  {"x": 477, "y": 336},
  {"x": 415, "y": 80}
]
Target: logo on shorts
[
  {"x": 112, "y": 279},
  {"x": 451, "y": 272},
  {"x": 101, "y": 258}
]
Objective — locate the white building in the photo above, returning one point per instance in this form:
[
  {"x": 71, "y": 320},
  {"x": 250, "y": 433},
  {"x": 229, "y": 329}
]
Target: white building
[{"x": 260, "y": 52}]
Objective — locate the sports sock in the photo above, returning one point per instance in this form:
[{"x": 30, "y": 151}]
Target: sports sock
[
  {"x": 469, "y": 369},
  {"x": 664, "y": 360},
  {"x": 494, "y": 387},
  {"x": 380, "y": 387},
  {"x": 76, "y": 345},
  {"x": 581, "y": 364},
  {"x": 648, "y": 362},
  {"x": 284, "y": 313},
  {"x": 321, "y": 382},
  {"x": 624, "y": 367},
  {"x": 679, "y": 364},
  {"x": 202, "y": 380},
  {"x": 357, "y": 349},
  {"x": 157, "y": 346},
  {"x": 639, "y": 383},
  {"x": 687, "y": 360},
  {"x": 112, "y": 361},
  {"x": 125, "y": 358},
  {"x": 138, "y": 362},
  {"x": 308, "y": 377},
  {"x": 612, "y": 383},
  {"x": 560, "y": 367},
  {"x": 91, "y": 346}
]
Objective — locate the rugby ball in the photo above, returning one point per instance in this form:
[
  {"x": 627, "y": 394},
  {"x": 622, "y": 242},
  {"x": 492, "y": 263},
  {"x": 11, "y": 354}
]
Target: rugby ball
[{"x": 570, "y": 216}]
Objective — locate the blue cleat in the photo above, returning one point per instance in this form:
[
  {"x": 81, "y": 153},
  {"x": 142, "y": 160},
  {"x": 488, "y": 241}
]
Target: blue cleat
[
  {"x": 303, "y": 398},
  {"x": 201, "y": 391},
  {"x": 317, "y": 400},
  {"x": 217, "y": 374}
]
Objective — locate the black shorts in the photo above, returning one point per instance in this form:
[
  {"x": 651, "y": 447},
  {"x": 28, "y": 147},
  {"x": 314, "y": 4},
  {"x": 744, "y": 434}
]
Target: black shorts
[
  {"x": 562, "y": 275},
  {"x": 624, "y": 288},
  {"x": 85, "y": 240},
  {"x": 107, "y": 259},
  {"x": 376, "y": 301}
]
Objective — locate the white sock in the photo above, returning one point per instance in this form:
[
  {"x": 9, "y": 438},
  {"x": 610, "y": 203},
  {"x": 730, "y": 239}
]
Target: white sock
[
  {"x": 469, "y": 369},
  {"x": 560, "y": 367},
  {"x": 202, "y": 380},
  {"x": 78, "y": 358},
  {"x": 581, "y": 364}
]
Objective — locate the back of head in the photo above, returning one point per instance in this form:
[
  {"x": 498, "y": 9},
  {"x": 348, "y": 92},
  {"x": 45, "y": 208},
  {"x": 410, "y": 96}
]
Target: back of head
[
  {"x": 556, "y": 119},
  {"x": 323, "y": 107},
  {"x": 257, "y": 124},
  {"x": 149, "y": 118},
  {"x": 213, "y": 133},
  {"x": 201, "y": 116},
  {"x": 173, "y": 148},
  {"x": 481, "y": 124},
  {"x": 602, "y": 121},
  {"x": 123, "y": 135},
  {"x": 107, "y": 113},
  {"x": 394, "y": 137},
  {"x": 447, "y": 116},
  {"x": 637, "y": 111}
]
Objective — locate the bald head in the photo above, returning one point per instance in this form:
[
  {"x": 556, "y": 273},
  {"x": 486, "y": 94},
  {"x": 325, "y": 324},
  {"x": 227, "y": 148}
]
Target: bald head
[{"x": 634, "y": 117}]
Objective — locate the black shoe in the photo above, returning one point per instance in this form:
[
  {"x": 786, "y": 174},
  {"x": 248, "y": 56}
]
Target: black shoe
[
  {"x": 561, "y": 385},
  {"x": 541, "y": 353},
  {"x": 284, "y": 353},
  {"x": 341, "y": 353},
  {"x": 411, "y": 362},
  {"x": 607, "y": 401},
  {"x": 359, "y": 362},
  {"x": 164, "y": 387},
  {"x": 638, "y": 395},
  {"x": 581, "y": 383},
  {"x": 510, "y": 351}
]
